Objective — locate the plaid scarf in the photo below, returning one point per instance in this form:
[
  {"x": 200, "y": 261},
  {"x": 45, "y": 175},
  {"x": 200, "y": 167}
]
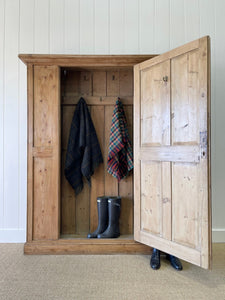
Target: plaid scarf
[
  {"x": 83, "y": 151},
  {"x": 120, "y": 156}
]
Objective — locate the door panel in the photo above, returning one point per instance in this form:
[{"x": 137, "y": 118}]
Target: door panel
[
  {"x": 185, "y": 220},
  {"x": 44, "y": 153},
  {"x": 172, "y": 146},
  {"x": 154, "y": 114},
  {"x": 184, "y": 98}
]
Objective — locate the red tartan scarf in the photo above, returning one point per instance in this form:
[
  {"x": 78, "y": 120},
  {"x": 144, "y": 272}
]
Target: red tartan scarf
[{"x": 120, "y": 156}]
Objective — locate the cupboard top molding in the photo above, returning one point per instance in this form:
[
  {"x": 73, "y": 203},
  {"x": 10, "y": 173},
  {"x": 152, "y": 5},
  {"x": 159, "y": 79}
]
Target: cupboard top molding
[{"x": 84, "y": 60}]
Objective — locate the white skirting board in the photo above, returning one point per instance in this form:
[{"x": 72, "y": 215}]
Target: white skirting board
[
  {"x": 12, "y": 235},
  {"x": 19, "y": 235},
  {"x": 218, "y": 235}
]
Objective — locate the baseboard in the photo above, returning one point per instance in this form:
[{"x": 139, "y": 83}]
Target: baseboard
[
  {"x": 218, "y": 235},
  {"x": 12, "y": 235}
]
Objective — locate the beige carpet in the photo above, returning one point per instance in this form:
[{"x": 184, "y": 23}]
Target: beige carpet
[{"x": 105, "y": 277}]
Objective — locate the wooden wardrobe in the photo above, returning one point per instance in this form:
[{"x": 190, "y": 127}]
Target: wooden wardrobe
[{"x": 166, "y": 199}]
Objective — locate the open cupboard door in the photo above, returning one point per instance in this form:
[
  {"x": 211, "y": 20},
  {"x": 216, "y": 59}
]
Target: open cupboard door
[{"x": 172, "y": 209}]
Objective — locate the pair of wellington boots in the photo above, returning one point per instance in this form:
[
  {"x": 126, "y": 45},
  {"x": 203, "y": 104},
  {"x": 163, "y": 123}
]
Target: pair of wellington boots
[{"x": 108, "y": 218}]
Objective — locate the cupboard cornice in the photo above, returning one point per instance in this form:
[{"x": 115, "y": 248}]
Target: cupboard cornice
[{"x": 84, "y": 60}]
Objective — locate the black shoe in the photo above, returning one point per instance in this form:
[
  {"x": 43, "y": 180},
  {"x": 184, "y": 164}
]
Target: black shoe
[
  {"x": 155, "y": 259},
  {"x": 175, "y": 262},
  {"x": 113, "y": 230},
  {"x": 102, "y": 205}
]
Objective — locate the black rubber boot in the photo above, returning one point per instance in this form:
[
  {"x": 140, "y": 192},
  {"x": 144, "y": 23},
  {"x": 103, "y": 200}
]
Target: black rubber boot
[
  {"x": 113, "y": 230},
  {"x": 102, "y": 205},
  {"x": 175, "y": 262},
  {"x": 155, "y": 259}
]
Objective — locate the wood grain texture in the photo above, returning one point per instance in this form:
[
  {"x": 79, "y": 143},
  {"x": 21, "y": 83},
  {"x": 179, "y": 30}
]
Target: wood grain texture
[
  {"x": 84, "y": 61},
  {"x": 30, "y": 95},
  {"x": 82, "y": 246},
  {"x": 45, "y": 136},
  {"x": 180, "y": 228},
  {"x": 97, "y": 180}
]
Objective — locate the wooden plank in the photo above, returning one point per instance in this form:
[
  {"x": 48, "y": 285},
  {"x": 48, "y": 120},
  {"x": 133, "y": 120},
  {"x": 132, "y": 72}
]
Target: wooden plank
[
  {"x": 99, "y": 83},
  {"x": 30, "y": 111},
  {"x": 166, "y": 205},
  {"x": 84, "y": 246},
  {"x": 44, "y": 90},
  {"x": 42, "y": 151},
  {"x": 111, "y": 184},
  {"x": 184, "y": 85},
  {"x": 46, "y": 181},
  {"x": 85, "y": 83},
  {"x": 151, "y": 195},
  {"x": 173, "y": 153},
  {"x": 70, "y": 82},
  {"x": 97, "y": 180},
  {"x": 185, "y": 221},
  {"x": 126, "y": 83},
  {"x": 67, "y": 116},
  {"x": 205, "y": 166},
  {"x": 68, "y": 202},
  {"x": 155, "y": 109},
  {"x": 93, "y": 101},
  {"x": 43, "y": 204},
  {"x": 188, "y": 254},
  {"x": 82, "y": 210},
  {"x": 171, "y": 54},
  {"x": 113, "y": 83},
  {"x": 137, "y": 163},
  {"x": 85, "y": 60},
  {"x": 126, "y": 186}
]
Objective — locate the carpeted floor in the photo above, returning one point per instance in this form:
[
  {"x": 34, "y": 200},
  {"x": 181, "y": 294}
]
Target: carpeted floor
[{"x": 105, "y": 277}]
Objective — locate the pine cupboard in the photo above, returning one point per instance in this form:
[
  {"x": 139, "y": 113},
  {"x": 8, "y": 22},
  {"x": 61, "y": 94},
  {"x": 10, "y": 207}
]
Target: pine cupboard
[{"x": 166, "y": 201}]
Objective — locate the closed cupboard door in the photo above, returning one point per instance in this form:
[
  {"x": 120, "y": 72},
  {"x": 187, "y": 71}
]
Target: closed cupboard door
[
  {"x": 43, "y": 152},
  {"x": 172, "y": 154}
]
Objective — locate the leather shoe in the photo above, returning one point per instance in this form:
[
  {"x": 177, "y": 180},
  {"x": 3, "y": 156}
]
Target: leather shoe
[
  {"x": 155, "y": 259},
  {"x": 175, "y": 262}
]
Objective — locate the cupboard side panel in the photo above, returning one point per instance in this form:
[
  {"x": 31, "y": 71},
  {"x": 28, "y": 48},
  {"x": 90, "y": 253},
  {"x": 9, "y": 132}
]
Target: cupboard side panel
[{"x": 46, "y": 153}]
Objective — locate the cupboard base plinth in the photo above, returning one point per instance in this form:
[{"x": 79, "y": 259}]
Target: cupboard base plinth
[{"x": 106, "y": 246}]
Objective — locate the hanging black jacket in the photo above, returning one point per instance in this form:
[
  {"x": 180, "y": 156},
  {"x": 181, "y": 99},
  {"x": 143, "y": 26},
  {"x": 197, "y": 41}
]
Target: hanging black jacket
[{"x": 83, "y": 151}]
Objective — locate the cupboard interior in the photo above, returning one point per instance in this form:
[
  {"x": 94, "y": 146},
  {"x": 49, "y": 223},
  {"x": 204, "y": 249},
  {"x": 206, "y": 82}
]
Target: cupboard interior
[{"x": 100, "y": 88}]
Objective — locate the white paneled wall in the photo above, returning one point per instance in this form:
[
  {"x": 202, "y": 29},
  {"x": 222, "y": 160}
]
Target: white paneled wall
[{"x": 97, "y": 27}]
